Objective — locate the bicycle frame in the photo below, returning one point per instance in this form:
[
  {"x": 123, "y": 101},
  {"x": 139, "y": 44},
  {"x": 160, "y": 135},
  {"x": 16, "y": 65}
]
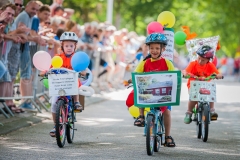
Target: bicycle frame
[{"x": 156, "y": 113}]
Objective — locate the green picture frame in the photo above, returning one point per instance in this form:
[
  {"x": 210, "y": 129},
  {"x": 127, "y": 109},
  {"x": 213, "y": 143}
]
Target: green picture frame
[{"x": 156, "y": 89}]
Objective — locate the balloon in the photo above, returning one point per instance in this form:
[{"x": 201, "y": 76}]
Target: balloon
[
  {"x": 57, "y": 62},
  {"x": 154, "y": 27},
  {"x": 167, "y": 19},
  {"x": 89, "y": 80},
  {"x": 45, "y": 83},
  {"x": 215, "y": 61},
  {"x": 42, "y": 60},
  {"x": 80, "y": 61},
  {"x": 180, "y": 37},
  {"x": 134, "y": 111}
]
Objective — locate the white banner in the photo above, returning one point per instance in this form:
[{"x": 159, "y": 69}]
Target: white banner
[
  {"x": 63, "y": 82},
  {"x": 194, "y": 44},
  {"x": 168, "y": 53}
]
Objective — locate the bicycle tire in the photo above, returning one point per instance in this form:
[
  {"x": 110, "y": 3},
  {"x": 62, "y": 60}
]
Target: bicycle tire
[
  {"x": 150, "y": 135},
  {"x": 205, "y": 122},
  {"x": 70, "y": 127},
  {"x": 158, "y": 138},
  {"x": 60, "y": 124},
  {"x": 198, "y": 126}
]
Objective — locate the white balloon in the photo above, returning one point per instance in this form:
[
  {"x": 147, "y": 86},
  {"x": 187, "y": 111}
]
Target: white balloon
[{"x": 86, "y": 91}]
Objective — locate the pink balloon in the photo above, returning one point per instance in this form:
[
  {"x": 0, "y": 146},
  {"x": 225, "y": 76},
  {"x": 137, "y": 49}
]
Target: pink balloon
[
  {"x": 42, "y": 60},
  {"x": 154, "y": 27}
]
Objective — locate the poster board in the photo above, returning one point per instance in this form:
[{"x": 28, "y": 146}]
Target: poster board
[
  {"x": 156, "y": 89},
  {"x": 67, "y": 83},
  {"x": 207, "y": 87}
]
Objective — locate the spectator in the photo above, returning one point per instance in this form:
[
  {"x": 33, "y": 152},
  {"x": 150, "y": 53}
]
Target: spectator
[
  {"x": 58, "y": 11},
  {"x": 26, "y": 17}
]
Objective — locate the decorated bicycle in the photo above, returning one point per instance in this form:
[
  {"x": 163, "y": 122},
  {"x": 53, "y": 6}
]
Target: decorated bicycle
[
  {"x": 201, "y": 69},
  {"x": 156, "y": 85},
  {"x": 65, "y": 86}
]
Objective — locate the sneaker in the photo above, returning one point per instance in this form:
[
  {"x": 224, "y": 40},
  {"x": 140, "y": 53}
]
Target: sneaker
[
  {"x": 28, "y": 107},
  {"x": 213, "y": 114},
  {"x": 188, "y": 118}
]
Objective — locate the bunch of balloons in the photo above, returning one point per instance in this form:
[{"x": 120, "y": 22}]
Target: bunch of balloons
[
  {"x": 166, "y": 19},
  {"x": 180, "y": 37},
  {"x": 43, "y": 62}
]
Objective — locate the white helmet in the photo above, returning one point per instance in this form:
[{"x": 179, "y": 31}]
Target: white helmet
[{"x": 69, "y": 36}]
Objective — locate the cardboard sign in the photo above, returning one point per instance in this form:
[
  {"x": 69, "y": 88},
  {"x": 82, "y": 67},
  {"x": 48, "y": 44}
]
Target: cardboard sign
[
  {"x": 155, "y": 89},
  {"x": 168, "y": 53},
  {"x": 202, "y": 91},
  {"x": 67, "y": 83}
]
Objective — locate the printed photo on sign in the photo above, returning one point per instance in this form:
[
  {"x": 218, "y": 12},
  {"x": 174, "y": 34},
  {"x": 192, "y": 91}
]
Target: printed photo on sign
[{"x": 156, "y": 88}]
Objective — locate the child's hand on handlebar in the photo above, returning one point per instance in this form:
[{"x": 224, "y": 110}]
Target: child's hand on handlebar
[
  {"x": 126, "y": 83},
  {"x": 42, "y": 73}
]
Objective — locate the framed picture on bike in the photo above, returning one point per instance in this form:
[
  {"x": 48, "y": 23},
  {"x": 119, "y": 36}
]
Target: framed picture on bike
[{"x": 155, "y": 89}]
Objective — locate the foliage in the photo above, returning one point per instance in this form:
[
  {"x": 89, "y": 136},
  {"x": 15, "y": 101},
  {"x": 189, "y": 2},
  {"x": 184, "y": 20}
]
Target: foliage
[{"x": 205, "y": 17}]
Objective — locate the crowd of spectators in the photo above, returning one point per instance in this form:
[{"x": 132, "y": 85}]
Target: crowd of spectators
[{"x": 24, "y": 30}]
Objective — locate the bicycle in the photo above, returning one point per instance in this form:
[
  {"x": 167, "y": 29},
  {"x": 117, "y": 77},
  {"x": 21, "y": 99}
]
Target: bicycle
[
  {"x": 65, "y": 115},
  {"x": 154, "y": 129},
  {"x": 203, "y": 92}
]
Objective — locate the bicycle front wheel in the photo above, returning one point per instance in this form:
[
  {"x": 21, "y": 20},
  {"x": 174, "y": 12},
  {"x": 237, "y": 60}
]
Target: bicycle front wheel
[
  {"x": 150, "y": 137},
  {"x": 198, "y": 126},
  {"x": 70, "y": 126},
  {"x": 205, "y": 122},
  {"x": 159, "y": 135},
  {"x": 61, "y": 123}
]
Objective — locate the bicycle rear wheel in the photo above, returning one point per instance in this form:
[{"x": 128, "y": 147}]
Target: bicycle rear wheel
[
  {"x": 205, "y": 122},
  {"x": 60, "y": 123},
  {"x": 70, "y": 126},
  {"x": 150, "y": 137}
]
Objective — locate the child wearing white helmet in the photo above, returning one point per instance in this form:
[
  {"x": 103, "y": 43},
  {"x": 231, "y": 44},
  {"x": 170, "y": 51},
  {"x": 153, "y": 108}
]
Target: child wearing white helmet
[{"x": 68, "y": 45}]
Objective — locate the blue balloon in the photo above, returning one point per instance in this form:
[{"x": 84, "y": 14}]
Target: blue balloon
[{"x": 80, "y": 61}]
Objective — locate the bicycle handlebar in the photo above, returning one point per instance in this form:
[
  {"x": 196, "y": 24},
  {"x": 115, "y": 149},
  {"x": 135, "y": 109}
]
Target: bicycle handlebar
[{"x": 189, "y": 75}]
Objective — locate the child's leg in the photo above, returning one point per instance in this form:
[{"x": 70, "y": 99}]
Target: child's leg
[
  {"x": 169, "y": 142},
  {"x": 77, "y": 105},
  {"x": 188, "y": 117},
  {"x": 214, "y": 115},
  {"x": 53, "y": 109}
]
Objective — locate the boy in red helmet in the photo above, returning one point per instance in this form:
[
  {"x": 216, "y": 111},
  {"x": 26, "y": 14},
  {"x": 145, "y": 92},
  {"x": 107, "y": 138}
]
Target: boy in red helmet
[{"x": 201, "y": 68}]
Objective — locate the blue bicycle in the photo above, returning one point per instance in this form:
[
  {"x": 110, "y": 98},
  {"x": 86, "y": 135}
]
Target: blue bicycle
[{"x": 154, "y": 130}]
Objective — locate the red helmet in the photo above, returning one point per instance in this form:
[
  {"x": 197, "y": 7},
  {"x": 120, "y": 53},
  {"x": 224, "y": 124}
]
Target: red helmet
[{"x": 205, "y": 52}]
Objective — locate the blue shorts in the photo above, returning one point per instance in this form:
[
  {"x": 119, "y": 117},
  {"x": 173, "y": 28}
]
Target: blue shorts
[{"x": 25, "y": 63}]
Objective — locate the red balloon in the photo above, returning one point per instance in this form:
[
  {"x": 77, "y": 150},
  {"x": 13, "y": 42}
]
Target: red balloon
[
  {"x": 154, "y": 27},
  {"x": 214, "y": 61}
]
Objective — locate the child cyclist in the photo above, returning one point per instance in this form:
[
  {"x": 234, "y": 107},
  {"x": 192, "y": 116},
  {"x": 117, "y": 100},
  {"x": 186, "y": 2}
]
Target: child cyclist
[
  {"x": 201, "y": 68},
  {"x": 68, "y": 45},
  {"x": 156, "y": 43}
]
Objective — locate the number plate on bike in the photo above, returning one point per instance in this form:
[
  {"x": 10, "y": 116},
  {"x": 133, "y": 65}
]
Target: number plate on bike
[
  {"x": 63, "y": 84},
  {"x": 202, "y": 91}
]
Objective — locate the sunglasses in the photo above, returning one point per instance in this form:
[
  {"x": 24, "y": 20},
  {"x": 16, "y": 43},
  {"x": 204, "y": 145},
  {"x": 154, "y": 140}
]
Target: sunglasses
[
  {"x": 47, "y": 23},
  {"x": 20, "y": 5}
]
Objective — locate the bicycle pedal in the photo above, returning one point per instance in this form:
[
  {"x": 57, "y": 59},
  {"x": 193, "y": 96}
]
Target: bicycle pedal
[
  {"x": 74, "y": 129},
  {"x": 213, "y": 118}
]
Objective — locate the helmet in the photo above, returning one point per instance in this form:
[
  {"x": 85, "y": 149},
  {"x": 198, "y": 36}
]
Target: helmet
[
  {"x": 69, "y": 36},
  {"x": 156, "y": 38},
  {"x": 205, "y": 51}
]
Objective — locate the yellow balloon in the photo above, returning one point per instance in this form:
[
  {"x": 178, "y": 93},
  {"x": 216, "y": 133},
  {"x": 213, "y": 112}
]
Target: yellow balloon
[
  {"x": 57, "y": 62},
  {"x": 134, "y": 111},
  {"x": 167, "y": 19}
]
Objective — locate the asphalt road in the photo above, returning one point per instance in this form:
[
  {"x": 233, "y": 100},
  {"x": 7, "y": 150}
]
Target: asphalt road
[{"x": 106, "y": 131}]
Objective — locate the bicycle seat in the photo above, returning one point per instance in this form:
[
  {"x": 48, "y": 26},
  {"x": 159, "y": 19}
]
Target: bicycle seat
[{"x": 204, "y": 91}]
